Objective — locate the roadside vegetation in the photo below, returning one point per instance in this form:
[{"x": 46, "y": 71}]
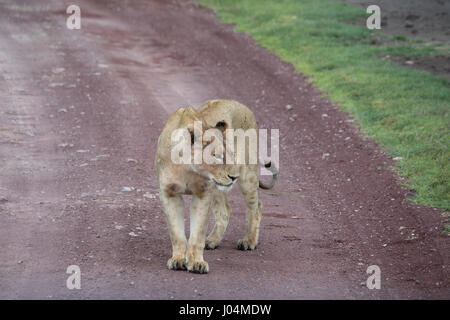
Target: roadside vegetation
[{"x": 405, "y": 111}]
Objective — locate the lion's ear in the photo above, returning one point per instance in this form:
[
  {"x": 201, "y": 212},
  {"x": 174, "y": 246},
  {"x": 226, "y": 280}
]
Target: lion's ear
[{"x": 190, "y": 110}]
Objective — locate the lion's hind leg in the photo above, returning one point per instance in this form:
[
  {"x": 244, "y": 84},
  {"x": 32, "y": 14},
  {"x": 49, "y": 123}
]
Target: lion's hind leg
[
  {"x": 222, "y": 212},
  {"x": 249, "y": 189}
]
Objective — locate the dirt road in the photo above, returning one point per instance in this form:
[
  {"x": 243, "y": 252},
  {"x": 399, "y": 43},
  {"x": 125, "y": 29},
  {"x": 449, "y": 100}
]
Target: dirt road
[{"x": 80, "y": 113}]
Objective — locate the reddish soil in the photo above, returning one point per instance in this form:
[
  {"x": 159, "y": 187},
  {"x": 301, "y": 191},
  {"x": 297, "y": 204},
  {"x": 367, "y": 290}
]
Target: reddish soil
[
  {"x": 437, "y": 65},
  {"x": 71, "y": 139}
]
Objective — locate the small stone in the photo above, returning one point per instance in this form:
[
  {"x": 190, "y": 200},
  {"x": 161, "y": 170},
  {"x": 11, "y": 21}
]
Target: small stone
[
  {"x": 288, "y": 107},
  {"x": 62, "y": 110},
  {"x": 56, "y": 84},
  {"x": 409, "y": 62},
  {"x": 118, "y": 227},
  {"x": 324, "y": 115},
  {"x": 133, "y": 234},
  {"x": 30, "y": 133},
  {"x": 58, "y": 70},
  {"x": 149, "y": 195},
  {"x": 84, "y": 195},
  {"x": 397, "y": 158},
  {"x": 82, "y": 151},
  {"x": 132, "y": 160},
  {"x": 126, "y": 189}
]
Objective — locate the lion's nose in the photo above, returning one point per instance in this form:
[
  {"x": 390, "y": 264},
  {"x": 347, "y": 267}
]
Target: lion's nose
[{"x": 232, "y": 178}]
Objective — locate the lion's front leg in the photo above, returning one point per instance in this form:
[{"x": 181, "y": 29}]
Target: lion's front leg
[
  {"x": 173, "y": 206},
  {"x": 200, "y": 212}
]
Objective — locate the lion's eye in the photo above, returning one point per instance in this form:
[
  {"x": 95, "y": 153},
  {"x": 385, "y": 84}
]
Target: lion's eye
[{"x": 221, "y": 124}]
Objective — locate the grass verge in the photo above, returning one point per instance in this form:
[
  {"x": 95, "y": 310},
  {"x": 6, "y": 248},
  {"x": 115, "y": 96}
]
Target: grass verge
[{"x": 405, "y": 111}]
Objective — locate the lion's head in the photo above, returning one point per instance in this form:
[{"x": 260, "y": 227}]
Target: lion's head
[{"x": 207, "y": 144}]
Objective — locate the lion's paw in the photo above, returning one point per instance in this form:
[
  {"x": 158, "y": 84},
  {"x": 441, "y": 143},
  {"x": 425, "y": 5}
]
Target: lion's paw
[
  {"x": 176, "y": 263},
  {"x": 244, "y": 244},
  {"x": 211, "y": 244},
  {"x": 198, "y": 267}
]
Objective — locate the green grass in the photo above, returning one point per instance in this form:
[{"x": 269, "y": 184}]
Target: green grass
[
  {"x": 405, "y": 111},
  {"x": 399, "y": 37}
]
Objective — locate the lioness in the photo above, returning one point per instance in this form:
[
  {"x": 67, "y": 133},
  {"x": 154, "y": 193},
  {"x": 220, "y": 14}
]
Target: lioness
[{"x": 207, "y": 183}]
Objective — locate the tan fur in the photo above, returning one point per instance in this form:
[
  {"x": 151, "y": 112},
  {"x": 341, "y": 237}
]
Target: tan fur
[{"x": 198, "y": 181}]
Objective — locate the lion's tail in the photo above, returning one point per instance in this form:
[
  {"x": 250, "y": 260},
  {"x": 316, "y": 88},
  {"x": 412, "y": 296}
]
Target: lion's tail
[{"x": 274, "y": 171}]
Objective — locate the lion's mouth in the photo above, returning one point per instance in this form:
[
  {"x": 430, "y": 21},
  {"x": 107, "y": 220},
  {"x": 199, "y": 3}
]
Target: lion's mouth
[{"x": 223, "y": 185}]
